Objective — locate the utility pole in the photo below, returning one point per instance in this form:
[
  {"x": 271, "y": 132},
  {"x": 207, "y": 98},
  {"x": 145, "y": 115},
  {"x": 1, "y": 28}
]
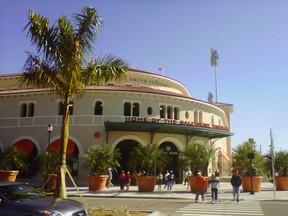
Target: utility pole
[
  {"x": 273, "y": 161},
  {"x": 214, "y": 63}
]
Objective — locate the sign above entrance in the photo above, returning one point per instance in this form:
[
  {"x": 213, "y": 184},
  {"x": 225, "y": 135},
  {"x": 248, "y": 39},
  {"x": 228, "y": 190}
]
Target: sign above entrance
[{"x": 174, "y": 122}]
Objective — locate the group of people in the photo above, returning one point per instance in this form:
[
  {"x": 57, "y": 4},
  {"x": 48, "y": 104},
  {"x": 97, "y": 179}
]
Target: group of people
[
  {"x": 169, "y": 178},
  {"x": 213, "y": 183},
  {"x": 124, "y": 179}
]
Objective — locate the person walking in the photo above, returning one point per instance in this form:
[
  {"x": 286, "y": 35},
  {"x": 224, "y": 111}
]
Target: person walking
[
  {"x": 127, "y": 180},
  {"x": 121, "y": 179},
  {"x": 213, "y": 182},
  {"x": 170, "y": 180},
  {"x": 110, "y": 176},
  {"x": 187, "y": 174},
  {"x": 236, "y": 182},
  {"x": 160, "y": 178},
  {"x": 166, "y": 178},
  {"x": 200, "y": 183}
]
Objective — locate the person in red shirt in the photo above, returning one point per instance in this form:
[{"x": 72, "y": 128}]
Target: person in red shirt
[
  {"x": 121, "y": 179},
  {"x": 200, "y": 183},
  {"x": 127, "y": 180}
]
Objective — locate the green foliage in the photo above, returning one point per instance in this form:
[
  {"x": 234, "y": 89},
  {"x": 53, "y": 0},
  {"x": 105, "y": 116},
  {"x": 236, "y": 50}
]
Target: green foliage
[
  {"x": 52, "y": 164},
  {"x": 148, "y": 158},
  {"x": 14, "y": 158},
  {"x": 241, "y": 162},
  {"x": 99, "y": 159},
  {"x": 197, "y": 156},
  {"x": 281, "y": 163}
]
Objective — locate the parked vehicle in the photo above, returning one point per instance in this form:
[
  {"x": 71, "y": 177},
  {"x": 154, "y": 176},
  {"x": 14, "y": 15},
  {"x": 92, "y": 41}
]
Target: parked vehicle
[{"x": 22, "y": 199}]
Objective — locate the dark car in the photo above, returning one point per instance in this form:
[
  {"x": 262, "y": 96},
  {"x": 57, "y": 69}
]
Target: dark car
[{"x": 23, "y": 199}]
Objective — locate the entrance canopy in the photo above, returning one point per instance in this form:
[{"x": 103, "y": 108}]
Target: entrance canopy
[{"x": 207, "y": 132}]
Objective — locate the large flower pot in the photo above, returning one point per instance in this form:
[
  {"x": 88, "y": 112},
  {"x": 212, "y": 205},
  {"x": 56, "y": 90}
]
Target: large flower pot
[
  {"x": 193, "y": 185},
  {"x": 281, "y": 183},
  {"x": 8, "y": 175},
  {"x": 246, "y": 183},
  {"x": 50, "y": 180},
  {"x": 146, "y": 183},
  {"x": 97, "y": 182}
]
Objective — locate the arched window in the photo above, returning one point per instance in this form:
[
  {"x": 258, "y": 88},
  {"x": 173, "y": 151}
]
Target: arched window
[
  {"x": 162, "y": 111},
  {"x": 127, "y": 109},
  {"x": 98, "y": 108},
  {"x": 169, "y": 112},
  {"x": 135, "y": 109},
  {"x": 176, "y": 113},
  {"x": 23, "y": 110}
]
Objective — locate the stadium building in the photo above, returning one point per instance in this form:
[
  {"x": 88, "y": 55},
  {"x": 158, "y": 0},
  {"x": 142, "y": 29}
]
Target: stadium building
[{"x": 142, "y": 108}]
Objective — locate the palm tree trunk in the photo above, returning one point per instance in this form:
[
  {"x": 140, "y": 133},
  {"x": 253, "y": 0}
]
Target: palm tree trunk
[{"x": 60, "y": 191}]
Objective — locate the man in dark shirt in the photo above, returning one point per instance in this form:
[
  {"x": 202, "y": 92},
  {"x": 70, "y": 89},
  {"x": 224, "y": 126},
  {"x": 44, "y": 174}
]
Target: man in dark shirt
[{"x": 236, "y": 182}]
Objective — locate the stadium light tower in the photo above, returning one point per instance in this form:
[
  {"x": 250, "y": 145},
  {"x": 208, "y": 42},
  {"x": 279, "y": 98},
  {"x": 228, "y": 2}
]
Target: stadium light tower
[{"x": 214, "y": 63}]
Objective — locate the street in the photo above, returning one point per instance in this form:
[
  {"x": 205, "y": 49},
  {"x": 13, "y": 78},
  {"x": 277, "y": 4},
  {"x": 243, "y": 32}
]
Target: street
[{"x": 174, "y": 207}]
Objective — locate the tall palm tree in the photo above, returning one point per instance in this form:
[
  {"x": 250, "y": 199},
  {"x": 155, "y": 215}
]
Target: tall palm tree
[{"x": 60, "y": 66}]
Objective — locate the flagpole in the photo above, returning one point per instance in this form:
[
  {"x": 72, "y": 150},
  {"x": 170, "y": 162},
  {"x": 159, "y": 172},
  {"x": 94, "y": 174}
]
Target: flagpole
[{"x": 214, "y": 63}]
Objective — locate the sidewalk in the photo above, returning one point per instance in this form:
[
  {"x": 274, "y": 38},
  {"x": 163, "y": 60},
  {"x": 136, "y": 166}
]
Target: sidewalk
[{"x": 179, "y": 191}]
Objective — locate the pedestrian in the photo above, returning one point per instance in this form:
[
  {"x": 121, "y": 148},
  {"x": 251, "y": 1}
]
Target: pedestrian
[
  {"x": 166, "y": 178},
  {"x": 170, "y": 180},
  {"x": 127, "y": 180},
  {"x": 187, "y": 174},
  {"x": 110, "y": 176},
  {"x": 236, "y": 182},
  {"x": 159, "y": 179},
  {"x": 122, "y": 179},
  {"x": 200, "y": 183},
  {"x": 213, "y": 183}
]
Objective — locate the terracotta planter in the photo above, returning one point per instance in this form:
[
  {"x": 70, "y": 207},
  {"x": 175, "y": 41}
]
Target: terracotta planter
[
  {"x": 146, "y": 183},
  {"x": 281, "y": 183},
  {"x": 246, "y": 183},
  {"x": 193, "y": 185},
  {"x": 8, "y": 175},
  {"x": 52, "y": 180},
  {"x": 97, "y": 182}
]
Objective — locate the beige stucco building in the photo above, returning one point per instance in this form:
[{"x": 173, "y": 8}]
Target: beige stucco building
[{"x": 140, "y": 109}]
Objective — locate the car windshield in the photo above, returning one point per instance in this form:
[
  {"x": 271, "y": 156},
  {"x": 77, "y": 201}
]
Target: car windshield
[{"x": 20, "y": 192}]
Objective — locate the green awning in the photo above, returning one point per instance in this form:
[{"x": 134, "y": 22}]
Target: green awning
[{"x": 206, "y": 132}]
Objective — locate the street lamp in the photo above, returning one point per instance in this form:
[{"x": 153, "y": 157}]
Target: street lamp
[
  {"x": 50, "y": 129},
  {"x": 251, "y": 157}
]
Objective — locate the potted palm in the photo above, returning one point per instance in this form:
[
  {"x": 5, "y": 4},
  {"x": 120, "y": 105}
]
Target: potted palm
[
  {"x": 197, "y": 156},
  {"x": 281, "y": 170},
  {"x": 13, "y": 161},
  {"x": 148, "y": 159},
  {"x": 251, "y": 165},
  {"x": 49, "y": 167},
  {"x": 98, "y": 160}
]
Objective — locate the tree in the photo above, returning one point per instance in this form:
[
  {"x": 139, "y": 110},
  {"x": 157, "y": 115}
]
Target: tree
[
  {"x": 241, "y": 161},
  {"x": 60, "y": 66},
  {"x": 148, "y": 158}
]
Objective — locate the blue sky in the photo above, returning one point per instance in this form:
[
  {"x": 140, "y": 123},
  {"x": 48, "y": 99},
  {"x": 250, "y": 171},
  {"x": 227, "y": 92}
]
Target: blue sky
[{"x": 251, "y": 38}]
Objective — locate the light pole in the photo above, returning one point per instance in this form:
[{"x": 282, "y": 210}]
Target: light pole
[
  {"x": 50, "y": 129},
  {"x": 251, "y": 157}
]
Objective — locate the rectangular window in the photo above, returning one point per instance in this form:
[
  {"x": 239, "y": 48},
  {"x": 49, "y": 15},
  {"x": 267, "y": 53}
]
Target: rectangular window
[
  {"x": 27, "y": 109},
  {"x": 135, "y": 109}
]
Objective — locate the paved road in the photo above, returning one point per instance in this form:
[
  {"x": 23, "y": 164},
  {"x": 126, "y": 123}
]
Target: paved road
[{"x": 185, "y": 207}]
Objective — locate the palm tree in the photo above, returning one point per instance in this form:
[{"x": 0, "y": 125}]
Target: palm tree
[
  {"x": 60, "y": 66},
  {"x": 241, "y": 161},
  {"x": 148, "y": 158},
  {"x": 197, "y": 156}
]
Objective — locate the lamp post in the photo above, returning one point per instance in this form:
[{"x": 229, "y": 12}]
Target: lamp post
[
  {"x": 251, "y": 156},
  {"x": 50, "y": 129}
]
